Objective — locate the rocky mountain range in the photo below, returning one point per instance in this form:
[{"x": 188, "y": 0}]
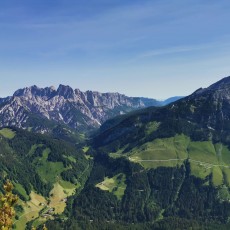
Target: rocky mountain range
[{"x": 41, "y": 108}]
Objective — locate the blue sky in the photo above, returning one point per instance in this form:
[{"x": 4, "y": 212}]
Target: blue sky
[{"x": 152, "y": 48}]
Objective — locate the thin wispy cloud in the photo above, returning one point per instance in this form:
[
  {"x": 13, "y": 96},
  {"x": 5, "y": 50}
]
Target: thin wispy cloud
[
  {"x": 171, "y": 50},
  {"x": 184, "y": 49}
]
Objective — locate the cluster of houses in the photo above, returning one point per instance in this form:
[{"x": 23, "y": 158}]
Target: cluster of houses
[{"x": 50, "y": 211}]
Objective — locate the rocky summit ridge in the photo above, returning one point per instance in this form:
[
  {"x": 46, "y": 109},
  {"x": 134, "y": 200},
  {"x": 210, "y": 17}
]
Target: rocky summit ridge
[{"x": 79, "y": 110}]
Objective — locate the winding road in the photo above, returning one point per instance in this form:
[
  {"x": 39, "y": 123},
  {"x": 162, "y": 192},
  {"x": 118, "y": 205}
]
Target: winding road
[{"x": 195, "y": 161}]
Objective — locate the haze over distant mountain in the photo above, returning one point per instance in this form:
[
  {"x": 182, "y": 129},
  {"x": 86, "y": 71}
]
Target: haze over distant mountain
[
  {"x": 41, "y": 108},
  {"x": 170, "y": 100}
]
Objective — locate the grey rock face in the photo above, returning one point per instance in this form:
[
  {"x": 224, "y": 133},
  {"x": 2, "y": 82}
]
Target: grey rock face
[{"x": 79, "y": 110}]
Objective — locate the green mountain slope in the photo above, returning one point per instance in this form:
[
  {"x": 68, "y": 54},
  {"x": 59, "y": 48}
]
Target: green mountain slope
[{"x": 44, "y": 172}]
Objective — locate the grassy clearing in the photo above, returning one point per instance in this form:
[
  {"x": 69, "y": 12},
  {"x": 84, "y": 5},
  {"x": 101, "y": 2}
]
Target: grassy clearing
[
  {"x": 31, "y": 210},
  {"x": 225, "y": 155},
  {"x": 115, "y": 185},
  {"x": 152, "y": 127},
  {"x": 71, "y": 158},
  {"x": 7, "y": 133},
  {"x": 214, "y": 156},
  {"x": 203, "y": 151},
  {"x": 116, "y": 155},
  {"x": 59, "y": 194},
  {"x": 34, "y": 147},
  {"x": 161, "y": 150},
  {"x": 88, "y": 157},
  {"x": 56, "y": 199},
  {"x": 226, "y": 173},
  {"x": 37, "y": 199},
  {"x": 181, "y": 143},
  {"x": 156, "y": 164},
  {"x": 49, "y": 171},
  {"x": 217, "y": 176},
  {"x": 205, "y": 157},
  {"x": 200, "y": 170},
  {"x": 119, "y": 153},
  {"x": 85, "y": 149},
  {"x": 67, "y": 185},
  {"x": 37, "y": 203},
  {"x": 19, "y": 188}
]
